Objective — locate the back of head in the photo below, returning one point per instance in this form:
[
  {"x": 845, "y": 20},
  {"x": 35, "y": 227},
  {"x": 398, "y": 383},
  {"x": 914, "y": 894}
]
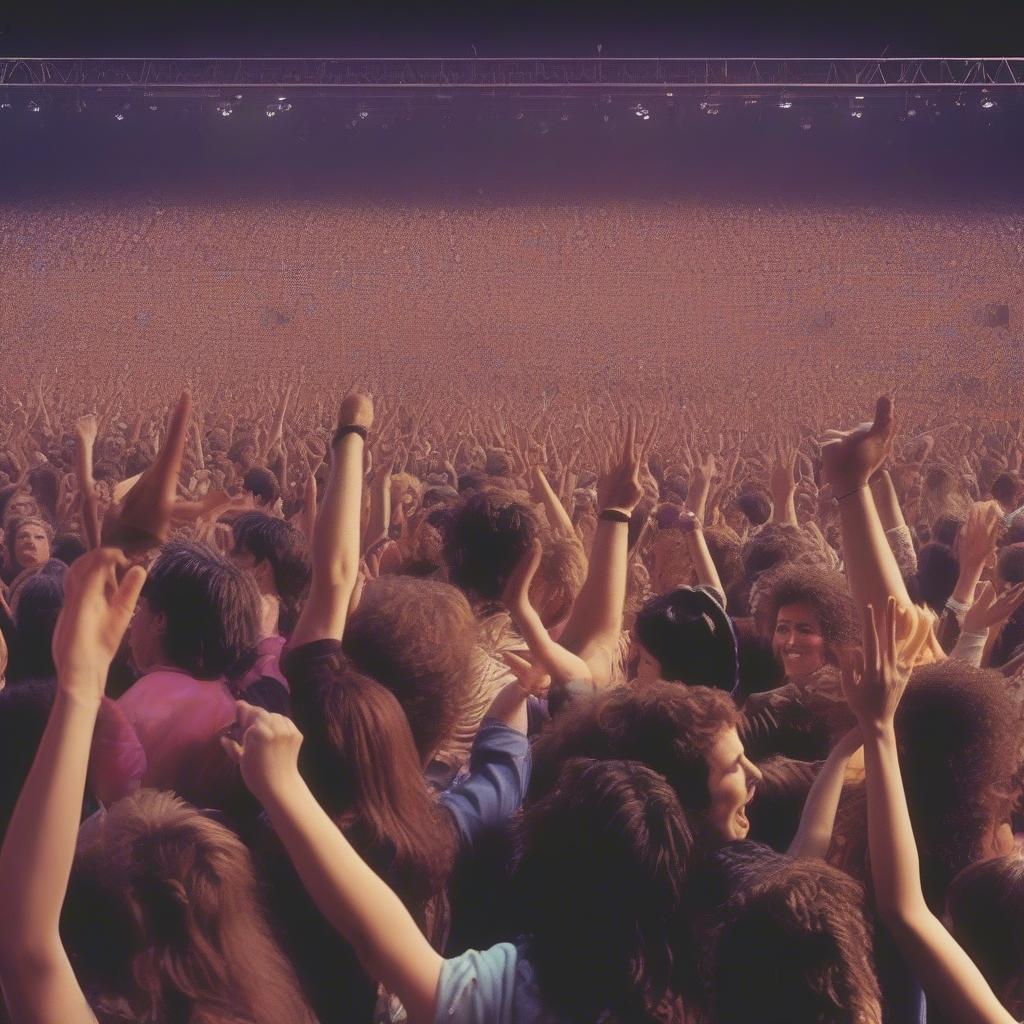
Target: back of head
[
  {"x": 937, "y": 572},
  {"x": 670, "y": 728},
  {"x": 755, "y": 505},
  {"x": 211, "y": 609},
  {"x": 24, "y": 710},
  {"x": 416, "y": 637},
  {"x": 163, "y": 920},
  {"x": 484, "y": 538},
  {"x": 36, "y": 611},
  {"x": 1005, "y": 488},
  {"x": 262, "y": 485},
  {"x": 360, "y": 762},
  {"x": 281, "y": 546},
  {"x": 794, "y": 946},
  {"x": 774, "y": 544},
  {"x": 986, "y": 905},
  {"x": 604, "y": 864},
  {"x": 946, "y": 528},
  {"x": 690, "y": 636},
  {"x": 958, "y": 729}
]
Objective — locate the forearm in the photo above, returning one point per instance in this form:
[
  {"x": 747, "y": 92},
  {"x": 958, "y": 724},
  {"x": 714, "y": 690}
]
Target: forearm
[
  {"x": 380, "y": 510},
  {"x": 597, "y": 614},
  {"x": 870, "y": 564},
  {"x": 355, "y": 900},
  {"x": 703, "y": 563},
  {"x": 335, "y": 548},
  {"x": 87, "y": 488},
  {"x": 561, "y": 664},
  {"x": 818, "y": 819},
  {"x": 39, "y": 848},
  {"x": 558, "y": 517}
]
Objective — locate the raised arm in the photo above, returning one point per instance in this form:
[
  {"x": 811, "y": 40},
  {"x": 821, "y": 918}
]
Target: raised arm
[
  {"x": 557, "y": 516},
  {"x": 335, "y": 547},
  {"x": 85, "y": 436},
  {"x": 850, "y": 459},
  {"x": 356, "y": 901},
  {"x": 596, "y": 618},
  {"x": 35, "y": 862},
  {"x": 873, "y": 685},
  {"x": 818, "y": 818}
]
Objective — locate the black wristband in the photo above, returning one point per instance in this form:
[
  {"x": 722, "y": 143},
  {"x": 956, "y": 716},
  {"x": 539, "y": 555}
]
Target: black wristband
[
  {"x": 614, "y": 515},
  {"x": 350, "y": 428}
]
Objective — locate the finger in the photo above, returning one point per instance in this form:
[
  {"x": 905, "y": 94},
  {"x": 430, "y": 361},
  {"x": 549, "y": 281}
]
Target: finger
[
  {"x": 890, "y": 624},
  {"x": 870, "y": 640},
  {"x": 130, "y": 588},
  {"x": 883, "y": 416},
  {"x": 232, "y": 749}
]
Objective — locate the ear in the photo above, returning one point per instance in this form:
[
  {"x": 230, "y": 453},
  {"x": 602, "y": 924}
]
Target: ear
[{"x": 160, "y": 623}]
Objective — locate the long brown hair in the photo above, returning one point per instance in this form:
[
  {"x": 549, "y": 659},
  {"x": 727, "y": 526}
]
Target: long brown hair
[
  {"x": 360, "y": 761},
  {"x": 163, "y": 921}
]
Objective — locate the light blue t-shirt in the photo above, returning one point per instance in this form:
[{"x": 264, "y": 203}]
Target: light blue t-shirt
[{"x": 496, "y": 986}]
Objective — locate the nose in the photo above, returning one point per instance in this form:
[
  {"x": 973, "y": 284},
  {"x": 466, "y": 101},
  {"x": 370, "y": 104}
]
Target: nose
[{"x": 754, "y": 774}]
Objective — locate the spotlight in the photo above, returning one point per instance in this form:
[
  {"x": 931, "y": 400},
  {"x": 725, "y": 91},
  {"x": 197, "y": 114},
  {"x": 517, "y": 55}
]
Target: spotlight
[
  {"x": 34, "y": 106},
  {"x": 785, "y": 103},
  {"x": 363, "y": 113},
  {"x": 750, "y": 101},
  {"x": 806, "y": 124},
  {"x": 119, "y": 116},
  {"x": 642, "y": 112},
  {"x": 225, "y": 109},
  {"x": 281, "y": 99},
  {"x": 670, "y": 94},
  {"x": 709, "y": 108},
  {"x": 5, "y": 105},
  {"x": 280, "y": 107},
  {"x": 153, "y": 107},
  {"x": 857, "y": 114},
  {"x": 988, "y": 103}
]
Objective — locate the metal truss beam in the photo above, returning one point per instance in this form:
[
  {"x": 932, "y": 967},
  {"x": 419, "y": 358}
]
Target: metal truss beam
[{"x": 486, "y": 75}]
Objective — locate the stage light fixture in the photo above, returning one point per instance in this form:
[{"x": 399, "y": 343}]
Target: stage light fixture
[
  {"x": 785, "y": 103},
  {"x": 642, "y": 112},
  {"x": 34, "y": 106},
  {"x": 988, "y": 103},
  {"x": 225, "y": 109},
  {"x": 5, "y": 105},
  {"x": 806, "y": 124},
  {"x": 119, "y": 116}
]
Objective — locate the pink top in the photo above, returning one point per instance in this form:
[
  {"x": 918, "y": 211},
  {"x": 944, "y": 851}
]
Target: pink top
[
  {"x": 268, "y": 662},
  {"x": 178, "y": 720}
]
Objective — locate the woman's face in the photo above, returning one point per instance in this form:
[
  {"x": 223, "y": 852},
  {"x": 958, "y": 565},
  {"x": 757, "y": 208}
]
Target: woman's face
[
  {"x": 732, "y": 780},
  {"x": 797, "y": 641},
  {"x": 31, "y": 545}
]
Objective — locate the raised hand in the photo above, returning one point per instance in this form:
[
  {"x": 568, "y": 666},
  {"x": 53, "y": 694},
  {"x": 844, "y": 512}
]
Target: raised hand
[
  {"x": 533, "y": 678},
  {"x": 516, "y": 595},
  {"x": 987, "y": 610},
  {"x": 618, "y": 484},
  {"x": 356, "y": 410},
  {"x": 92, "y": 623},
  {"x": 874, "y": 679},
  {"x": 851, "y": 457},
  {"x": 976, "y": 540},
  {"x": 86, "y": 427},
  {"x": 143, "y": 520},
  {"x": 266, "y": 749}
]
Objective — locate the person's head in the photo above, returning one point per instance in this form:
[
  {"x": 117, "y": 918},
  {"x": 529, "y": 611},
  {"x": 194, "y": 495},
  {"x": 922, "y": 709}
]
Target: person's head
[
  {"x": 276, "y": 554},
  {"x": 937, "y": 572},
  {"x": 755, "y": 505},
  {"x": 498, "y": 463},
  {"x": 20, "y": 504},
  {"x": 1006, "y": 489},
  {"x": 559, "y": 579},
  {"x": 243, "y": 454},
  {"x": 686, "y": 734},
  {"x": 794, "y": 945},
  {"x": 197, "y": 612},
  {"x": 263, "y": 486},
  {"x": 946, "y": 528},
  {"x": 685, "y": 636},
  {"x": 724, "y": 548},
  {"x": 485, "y": 537},
  {"x": 38, "y": 605},
  {"x": 808, "y": 613},
  {"x": 45, "y": 483},
  {"x": 600, "y": 888},
  {"x": 986, "y": 906},
  {"x": 360, "y": 761},
  {"x": 29, "y": 541},
  {"x": 163, "y": 920},
  {"x": 774, "y": 544},
  {"x": 67, "y": 547},
  {"x": 24, "y": 710},
  {"x": 1010, "y": 565},
  {"x": 416, "y": 637},
  {"x": 958, "y": 736}
]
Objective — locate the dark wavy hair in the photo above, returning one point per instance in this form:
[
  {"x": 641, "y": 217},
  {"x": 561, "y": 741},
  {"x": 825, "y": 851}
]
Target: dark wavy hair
[
  {"x": 484, "y": 538},
  {"x": 668, "y": 727},
  {"x": 794, "y": 945},
  {"x": 986, "y": 906},
  {"x": 211, "y": 608},
  {"x": 824, "y": 590},
  {"x": 284, "y": 548},
  {"x": 601, "y": 886}
]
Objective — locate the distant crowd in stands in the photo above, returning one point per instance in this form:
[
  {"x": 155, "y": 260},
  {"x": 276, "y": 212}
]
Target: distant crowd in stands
[{"x": 586, "y": 705}]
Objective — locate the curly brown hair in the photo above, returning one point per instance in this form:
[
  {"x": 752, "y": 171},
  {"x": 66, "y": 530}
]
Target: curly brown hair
[
  {"x": 794, "y": 945},
  {"x": 824, "y": 590},
  {"x": 668, "y": 727}
]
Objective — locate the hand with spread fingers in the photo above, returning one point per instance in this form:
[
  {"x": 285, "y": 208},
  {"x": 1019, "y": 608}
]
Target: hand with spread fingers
[{"x": 874, "y": 679}]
